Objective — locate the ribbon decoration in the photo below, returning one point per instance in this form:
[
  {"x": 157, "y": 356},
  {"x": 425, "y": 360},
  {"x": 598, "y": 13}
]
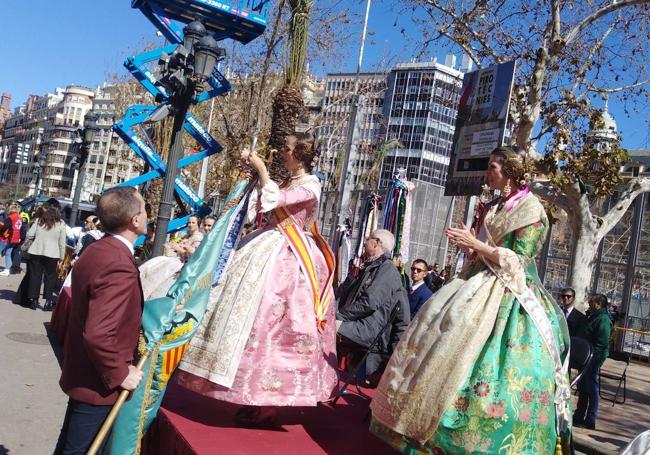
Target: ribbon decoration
[{"x": 295, "y": 236}]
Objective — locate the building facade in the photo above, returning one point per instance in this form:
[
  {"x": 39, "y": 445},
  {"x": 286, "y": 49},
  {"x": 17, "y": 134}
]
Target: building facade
[
  {"x": 109, "y": 161},
  {"x": 21, "y": 142},
  {"x": 36, "y": 145},
  {"x": 5, "y": 110},
  {"x": 333, "y": 136},
  {"x": 59, "y": 172},
  {"x": 420, "y": 111},
  {"x": 414, "y": 104}
]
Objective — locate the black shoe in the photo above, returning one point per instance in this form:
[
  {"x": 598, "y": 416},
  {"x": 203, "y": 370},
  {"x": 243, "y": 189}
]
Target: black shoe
[
  {"x": 49, "y": 305},
  {"x": 33, "y": 304},
  {"x": 15, "y": 270}
]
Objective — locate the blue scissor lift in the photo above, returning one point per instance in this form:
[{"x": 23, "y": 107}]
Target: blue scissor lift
[{"x": 242, "y": 21}]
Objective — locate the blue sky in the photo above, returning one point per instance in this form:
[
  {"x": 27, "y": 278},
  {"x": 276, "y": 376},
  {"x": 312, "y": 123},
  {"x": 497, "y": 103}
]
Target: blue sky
[{"x": 48, "y": 44}]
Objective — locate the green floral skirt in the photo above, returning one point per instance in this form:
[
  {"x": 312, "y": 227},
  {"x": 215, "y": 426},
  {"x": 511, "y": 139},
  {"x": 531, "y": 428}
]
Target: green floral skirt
[{"x": 506, "y": 404}]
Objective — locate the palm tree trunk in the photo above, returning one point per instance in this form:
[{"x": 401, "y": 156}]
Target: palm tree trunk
[{"x": 288, "y": 103}]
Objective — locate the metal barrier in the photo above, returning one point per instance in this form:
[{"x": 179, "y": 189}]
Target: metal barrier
[{"x": 635, "y": 342}]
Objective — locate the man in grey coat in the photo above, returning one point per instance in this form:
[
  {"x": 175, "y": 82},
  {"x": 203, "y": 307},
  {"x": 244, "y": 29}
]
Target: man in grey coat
[{"x": 369, "y": 302}]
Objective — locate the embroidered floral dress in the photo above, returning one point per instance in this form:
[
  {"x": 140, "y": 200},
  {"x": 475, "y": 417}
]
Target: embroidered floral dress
[
  {"x": 505, "y": 403},
  {"x": 258, "y": 343}
]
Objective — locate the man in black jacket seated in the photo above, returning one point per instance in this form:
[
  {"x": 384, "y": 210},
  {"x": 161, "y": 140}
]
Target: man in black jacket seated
[{"x": 366, "y": 303}]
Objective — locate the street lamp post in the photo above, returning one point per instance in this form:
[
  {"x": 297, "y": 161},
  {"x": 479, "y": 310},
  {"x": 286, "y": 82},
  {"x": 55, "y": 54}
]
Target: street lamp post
[
  {"x": 39, "y": 167},
  {"x": 342, "y": 194},
  {"x": 89, "y": 130},
  {"x": 184, "y": 72}
]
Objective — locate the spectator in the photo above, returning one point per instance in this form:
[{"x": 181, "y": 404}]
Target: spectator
[
  {"x": 444, "y": 276},
  {"x": 419, "y": 292},
  {"x": 598, "y": 332},
  {"x": 367, "y": 302},
  {"x": 47, "y": 249},
  {"x": 433, "y": 280},
  {"x": 11, "y": 227},
  {"x": 92, "y": 232},
  {"x": 145, "y": 252},
  {"x": 17, "y": 256},
  {"x": 105, "y": 318},
  {"x": 208, "y": 224},
  {"x": 574, "y": 318},
  {"x": 189, "y": 241}
]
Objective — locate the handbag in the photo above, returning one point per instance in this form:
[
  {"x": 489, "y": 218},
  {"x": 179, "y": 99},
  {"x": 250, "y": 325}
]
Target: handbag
[
  {"x": 27, "y": 243},
  {"x": 24, "y": 247}
]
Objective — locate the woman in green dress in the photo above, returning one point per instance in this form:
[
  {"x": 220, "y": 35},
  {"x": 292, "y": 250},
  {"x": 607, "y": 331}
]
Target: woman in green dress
[{"x": 483, "y": 367}]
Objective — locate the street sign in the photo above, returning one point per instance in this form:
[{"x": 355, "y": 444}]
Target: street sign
[{"x": 481, "y": 126}]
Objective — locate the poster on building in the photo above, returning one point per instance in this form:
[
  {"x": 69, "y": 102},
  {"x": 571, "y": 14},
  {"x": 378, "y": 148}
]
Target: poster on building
[{"x": 481, "y": 126}]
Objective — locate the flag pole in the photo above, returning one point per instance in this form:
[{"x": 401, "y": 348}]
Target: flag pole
[{"x": 110, "y": 419}]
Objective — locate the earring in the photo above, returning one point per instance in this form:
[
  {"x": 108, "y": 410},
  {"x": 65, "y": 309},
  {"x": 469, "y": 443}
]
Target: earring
[
  {"x": 486, "y": 195},
  {"x": 507, "y": 189}
]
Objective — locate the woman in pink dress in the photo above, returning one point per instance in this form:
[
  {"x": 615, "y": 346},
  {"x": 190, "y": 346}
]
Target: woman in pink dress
[{"x": 266, "y": 339}]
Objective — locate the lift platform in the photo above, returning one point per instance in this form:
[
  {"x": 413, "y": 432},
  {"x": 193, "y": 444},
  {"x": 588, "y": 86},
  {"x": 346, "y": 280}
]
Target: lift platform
[{"x": 242, "y": 20}]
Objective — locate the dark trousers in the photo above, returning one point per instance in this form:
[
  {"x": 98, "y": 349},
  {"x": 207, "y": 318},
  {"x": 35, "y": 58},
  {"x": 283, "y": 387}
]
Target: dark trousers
[
  {"x": 41, "y": 269},
  {"x": 80, "y": 426},
  {"x": 21, "y": 292},
  {"x": 16, "y": 258},
  {"x": 588, "y": 396}
]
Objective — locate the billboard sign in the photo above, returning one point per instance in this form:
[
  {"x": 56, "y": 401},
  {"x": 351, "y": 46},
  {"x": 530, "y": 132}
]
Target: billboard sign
[{"x": 481, "y": 126}]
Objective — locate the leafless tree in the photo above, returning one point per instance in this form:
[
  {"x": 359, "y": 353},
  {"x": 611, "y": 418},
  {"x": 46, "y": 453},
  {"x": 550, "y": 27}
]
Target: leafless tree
[{"x": 567, "y": 52}]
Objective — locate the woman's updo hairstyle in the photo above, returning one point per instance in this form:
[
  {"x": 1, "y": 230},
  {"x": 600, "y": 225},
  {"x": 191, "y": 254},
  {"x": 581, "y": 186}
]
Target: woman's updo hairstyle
[
  {"x": 514, "y": 165},
  {"x": 305, "y": 150}
]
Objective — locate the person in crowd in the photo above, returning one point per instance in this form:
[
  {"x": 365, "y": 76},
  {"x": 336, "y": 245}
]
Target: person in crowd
[
  {"x": 419, "y": 292},
  {"x": 189, "y": 241},
  {"x": 47, "y": 236},
  {"x": 432, "y": 279},
  {"x": 367, "y": 303},
  {"x": 17, "y": 255},
  {"x": 91, "y": 233},
  {"x": 269, "y": 336},
  {"x": 444, "y": 275},
  {"x": 21, "y": 293},
  {"x": 576, "y": 321},
  {"x": 11, "y": 226},
  {"x": 615, "y": 314},
  {"x": 104, "y": 321},
  {"x": 483, "y": 362},
  {"x": 208, "y": 224},
  {"x": 598, "y": 331}
]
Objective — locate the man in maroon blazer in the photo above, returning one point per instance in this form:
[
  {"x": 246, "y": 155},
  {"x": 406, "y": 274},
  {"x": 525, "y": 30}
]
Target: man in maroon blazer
[{"x": 105, "y": 318}]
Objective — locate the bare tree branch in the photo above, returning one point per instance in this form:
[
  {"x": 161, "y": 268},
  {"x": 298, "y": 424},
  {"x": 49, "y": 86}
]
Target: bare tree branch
[
  {"x": 556, "y": 23},
  {"x": 633, "y": 189},
  {"x": 586, "y": 22},
  {"x": 591, "y": 88},
  {"x": 551, "y": 194}
]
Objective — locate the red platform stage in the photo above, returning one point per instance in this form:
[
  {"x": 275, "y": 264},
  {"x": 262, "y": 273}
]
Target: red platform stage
[{"x": 191, "y": 424}]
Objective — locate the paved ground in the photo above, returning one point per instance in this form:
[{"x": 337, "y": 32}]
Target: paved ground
[
  {"x": 33, "y": 404},
  {"x": 617, "y": 425}
]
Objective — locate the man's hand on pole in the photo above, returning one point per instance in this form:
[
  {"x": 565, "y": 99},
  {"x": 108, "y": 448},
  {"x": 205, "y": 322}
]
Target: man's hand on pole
[{"x": 132, "y": 379}]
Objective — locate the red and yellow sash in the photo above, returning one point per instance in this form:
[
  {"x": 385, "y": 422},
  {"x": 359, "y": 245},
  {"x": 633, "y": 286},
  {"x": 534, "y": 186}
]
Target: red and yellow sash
[{"x": 298, "y": 243}]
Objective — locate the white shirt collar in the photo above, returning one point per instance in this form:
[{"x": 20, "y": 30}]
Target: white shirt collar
[
  {"x": 569, "y": 310},
  {"x": 124, "y": 241},
  {"x": 417, "y": 285}
]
